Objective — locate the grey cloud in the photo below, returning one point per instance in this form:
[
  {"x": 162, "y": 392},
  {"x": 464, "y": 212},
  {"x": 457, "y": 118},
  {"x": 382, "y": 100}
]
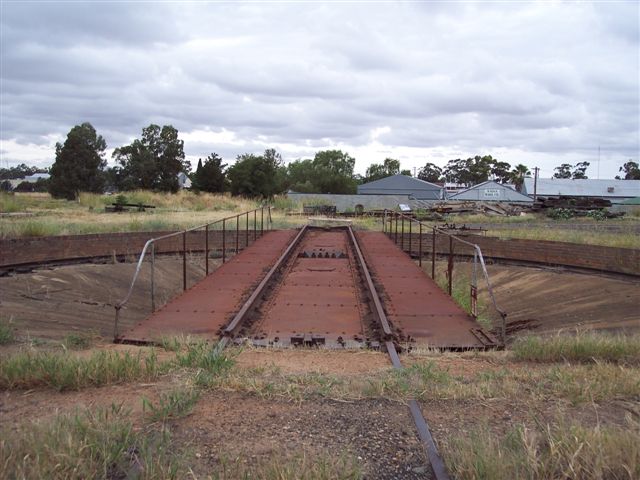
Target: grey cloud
[{"x": 536, "y": 77}]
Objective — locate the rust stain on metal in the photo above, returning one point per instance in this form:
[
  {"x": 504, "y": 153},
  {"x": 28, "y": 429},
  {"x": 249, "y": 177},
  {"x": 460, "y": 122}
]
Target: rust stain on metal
[
  {"x": 317, "y": 295},
  {"x": 419, "y": 310},
  {"x": 205, "y": 308},
  {"x": 317, "y": 301}
]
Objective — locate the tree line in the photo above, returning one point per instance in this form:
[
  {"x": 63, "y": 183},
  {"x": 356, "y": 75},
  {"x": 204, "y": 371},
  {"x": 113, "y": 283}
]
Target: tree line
[{"x": 155, "y": 160}]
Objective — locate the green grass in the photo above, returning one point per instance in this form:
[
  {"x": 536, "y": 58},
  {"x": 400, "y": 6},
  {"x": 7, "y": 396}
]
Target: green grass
[
  {"x": 204, "y": 357},
  {"x": 106, "y": 444},
  {"x": 547, "y": 452},
  {"x": 101, "y": 444},
  {"x": 77, "y": 341},
  {"x": 7, "y": 332},
  {"x": 582, "y": 347},
  {"x": 64, "y": 371},
  {"x": 175, "y": 404},
  {"x": 461, "y": 294},
  {"x": 9, "y": 204}
]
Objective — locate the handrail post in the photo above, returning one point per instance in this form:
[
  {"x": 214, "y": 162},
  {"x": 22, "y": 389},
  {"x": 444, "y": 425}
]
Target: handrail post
[
  {"x": 237, "y": 232},
  {"x": 262, "y": 221},
  {"x": 255, "y": 213},
  {"x": 402, "y": 233},
  {"x": 473, "y": 294},
  {"x": 224, "y": 240},
  {"x": 450, "y": 266},
  {"x": 184, "y": 260},
  {"x": 433, "y": 254},
  {"x": 115, "y": 323},
  {"x": 153, "y": 279},
  {"x": 420, "y": 245},
  {"x": 246, "y": 231},
  {"x": 384, "y": 221},
  {"x": 395, "y": 238},
  {"x": 410, "y": 242},
  {"x": 206, "y": 249}
]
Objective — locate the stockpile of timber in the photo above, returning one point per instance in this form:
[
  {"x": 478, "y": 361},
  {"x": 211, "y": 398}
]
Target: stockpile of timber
[{"x": 486, "y": 208}]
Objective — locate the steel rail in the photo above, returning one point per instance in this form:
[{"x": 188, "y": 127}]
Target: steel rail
[
  {"x": 437, "y": 464},
  {"x": 435, "y": 460},
  {"x": 239, "y": 317},
  {"x": 382, "y": 318}
]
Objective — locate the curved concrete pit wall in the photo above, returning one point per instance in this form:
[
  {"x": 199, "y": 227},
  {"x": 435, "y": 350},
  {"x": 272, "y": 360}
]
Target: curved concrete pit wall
[{"x": 29, "y": 251}]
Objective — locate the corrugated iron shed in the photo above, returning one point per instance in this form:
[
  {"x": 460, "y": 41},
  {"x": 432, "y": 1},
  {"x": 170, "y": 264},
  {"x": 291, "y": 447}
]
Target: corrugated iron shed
[
  {"x": 614, "y": 190},
  {"x": 403, "y": 185},
  {"x": 491, "y": 191}
]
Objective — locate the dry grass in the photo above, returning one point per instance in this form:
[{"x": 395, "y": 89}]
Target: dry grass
[
  {"x": 106, "y": 444},
  {"x": 427, "y": 381},
  {"x": 590, "y": 237},
  {"x": 46, "y": 216},
  {"x": 560, "y": 450},
  {"x": 585, "y": 347},
  {"x": 553, "y": 449},
  {"x": 100, "y": 444}
]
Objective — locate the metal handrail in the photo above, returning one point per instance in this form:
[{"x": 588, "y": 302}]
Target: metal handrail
[
  {"x": 477, "y": 254},
  {"x": 152, "y": 241}
]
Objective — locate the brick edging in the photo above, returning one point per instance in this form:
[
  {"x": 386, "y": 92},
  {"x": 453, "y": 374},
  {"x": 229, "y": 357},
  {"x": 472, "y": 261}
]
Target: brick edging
[{"x": 15, "y": 252}]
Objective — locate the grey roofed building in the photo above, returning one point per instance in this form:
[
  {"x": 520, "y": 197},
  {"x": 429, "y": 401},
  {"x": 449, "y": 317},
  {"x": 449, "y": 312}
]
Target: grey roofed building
[
  {"x": 349, "y": 203},
  {"x": 403, "y": 185},
  {"x": 614, "y": 190},
  {"x": 491, "y": 191}
]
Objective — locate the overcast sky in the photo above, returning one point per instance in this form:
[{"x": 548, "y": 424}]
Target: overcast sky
[{"x": 539, "y": 83}]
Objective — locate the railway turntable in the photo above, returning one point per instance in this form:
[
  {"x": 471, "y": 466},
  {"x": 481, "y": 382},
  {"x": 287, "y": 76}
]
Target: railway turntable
[{"x": 317, "y": 286}]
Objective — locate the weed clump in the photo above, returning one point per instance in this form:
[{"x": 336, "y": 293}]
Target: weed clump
[
  {"x": 583, "y": 347},
  {"x": 7, "y": 333},
  {"x": 100, "y": 444},
  {"x": 63, "y": 371},
  {"x": 172, "y": 405},
  {"x": 77, "y": 341},
  {"x": 546, "y": 452}
]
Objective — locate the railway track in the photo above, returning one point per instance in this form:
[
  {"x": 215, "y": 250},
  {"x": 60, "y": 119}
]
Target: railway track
[
  {"x": 320, "y": 292},
  {"x": 316, "y": 294}
]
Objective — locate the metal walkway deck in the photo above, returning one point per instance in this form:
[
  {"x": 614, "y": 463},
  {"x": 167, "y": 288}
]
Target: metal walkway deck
[
  {"x": 205, "y": 308},
  {"x": 317, "y": 298},
  {"x": 419, "y": 310}
]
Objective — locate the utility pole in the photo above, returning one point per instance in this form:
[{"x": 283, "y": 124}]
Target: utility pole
[{"x": 535, "y": 183}]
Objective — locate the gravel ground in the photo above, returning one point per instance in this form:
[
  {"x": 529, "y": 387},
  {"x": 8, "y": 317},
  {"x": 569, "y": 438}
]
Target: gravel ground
[{"x": 380, "y": 434}]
